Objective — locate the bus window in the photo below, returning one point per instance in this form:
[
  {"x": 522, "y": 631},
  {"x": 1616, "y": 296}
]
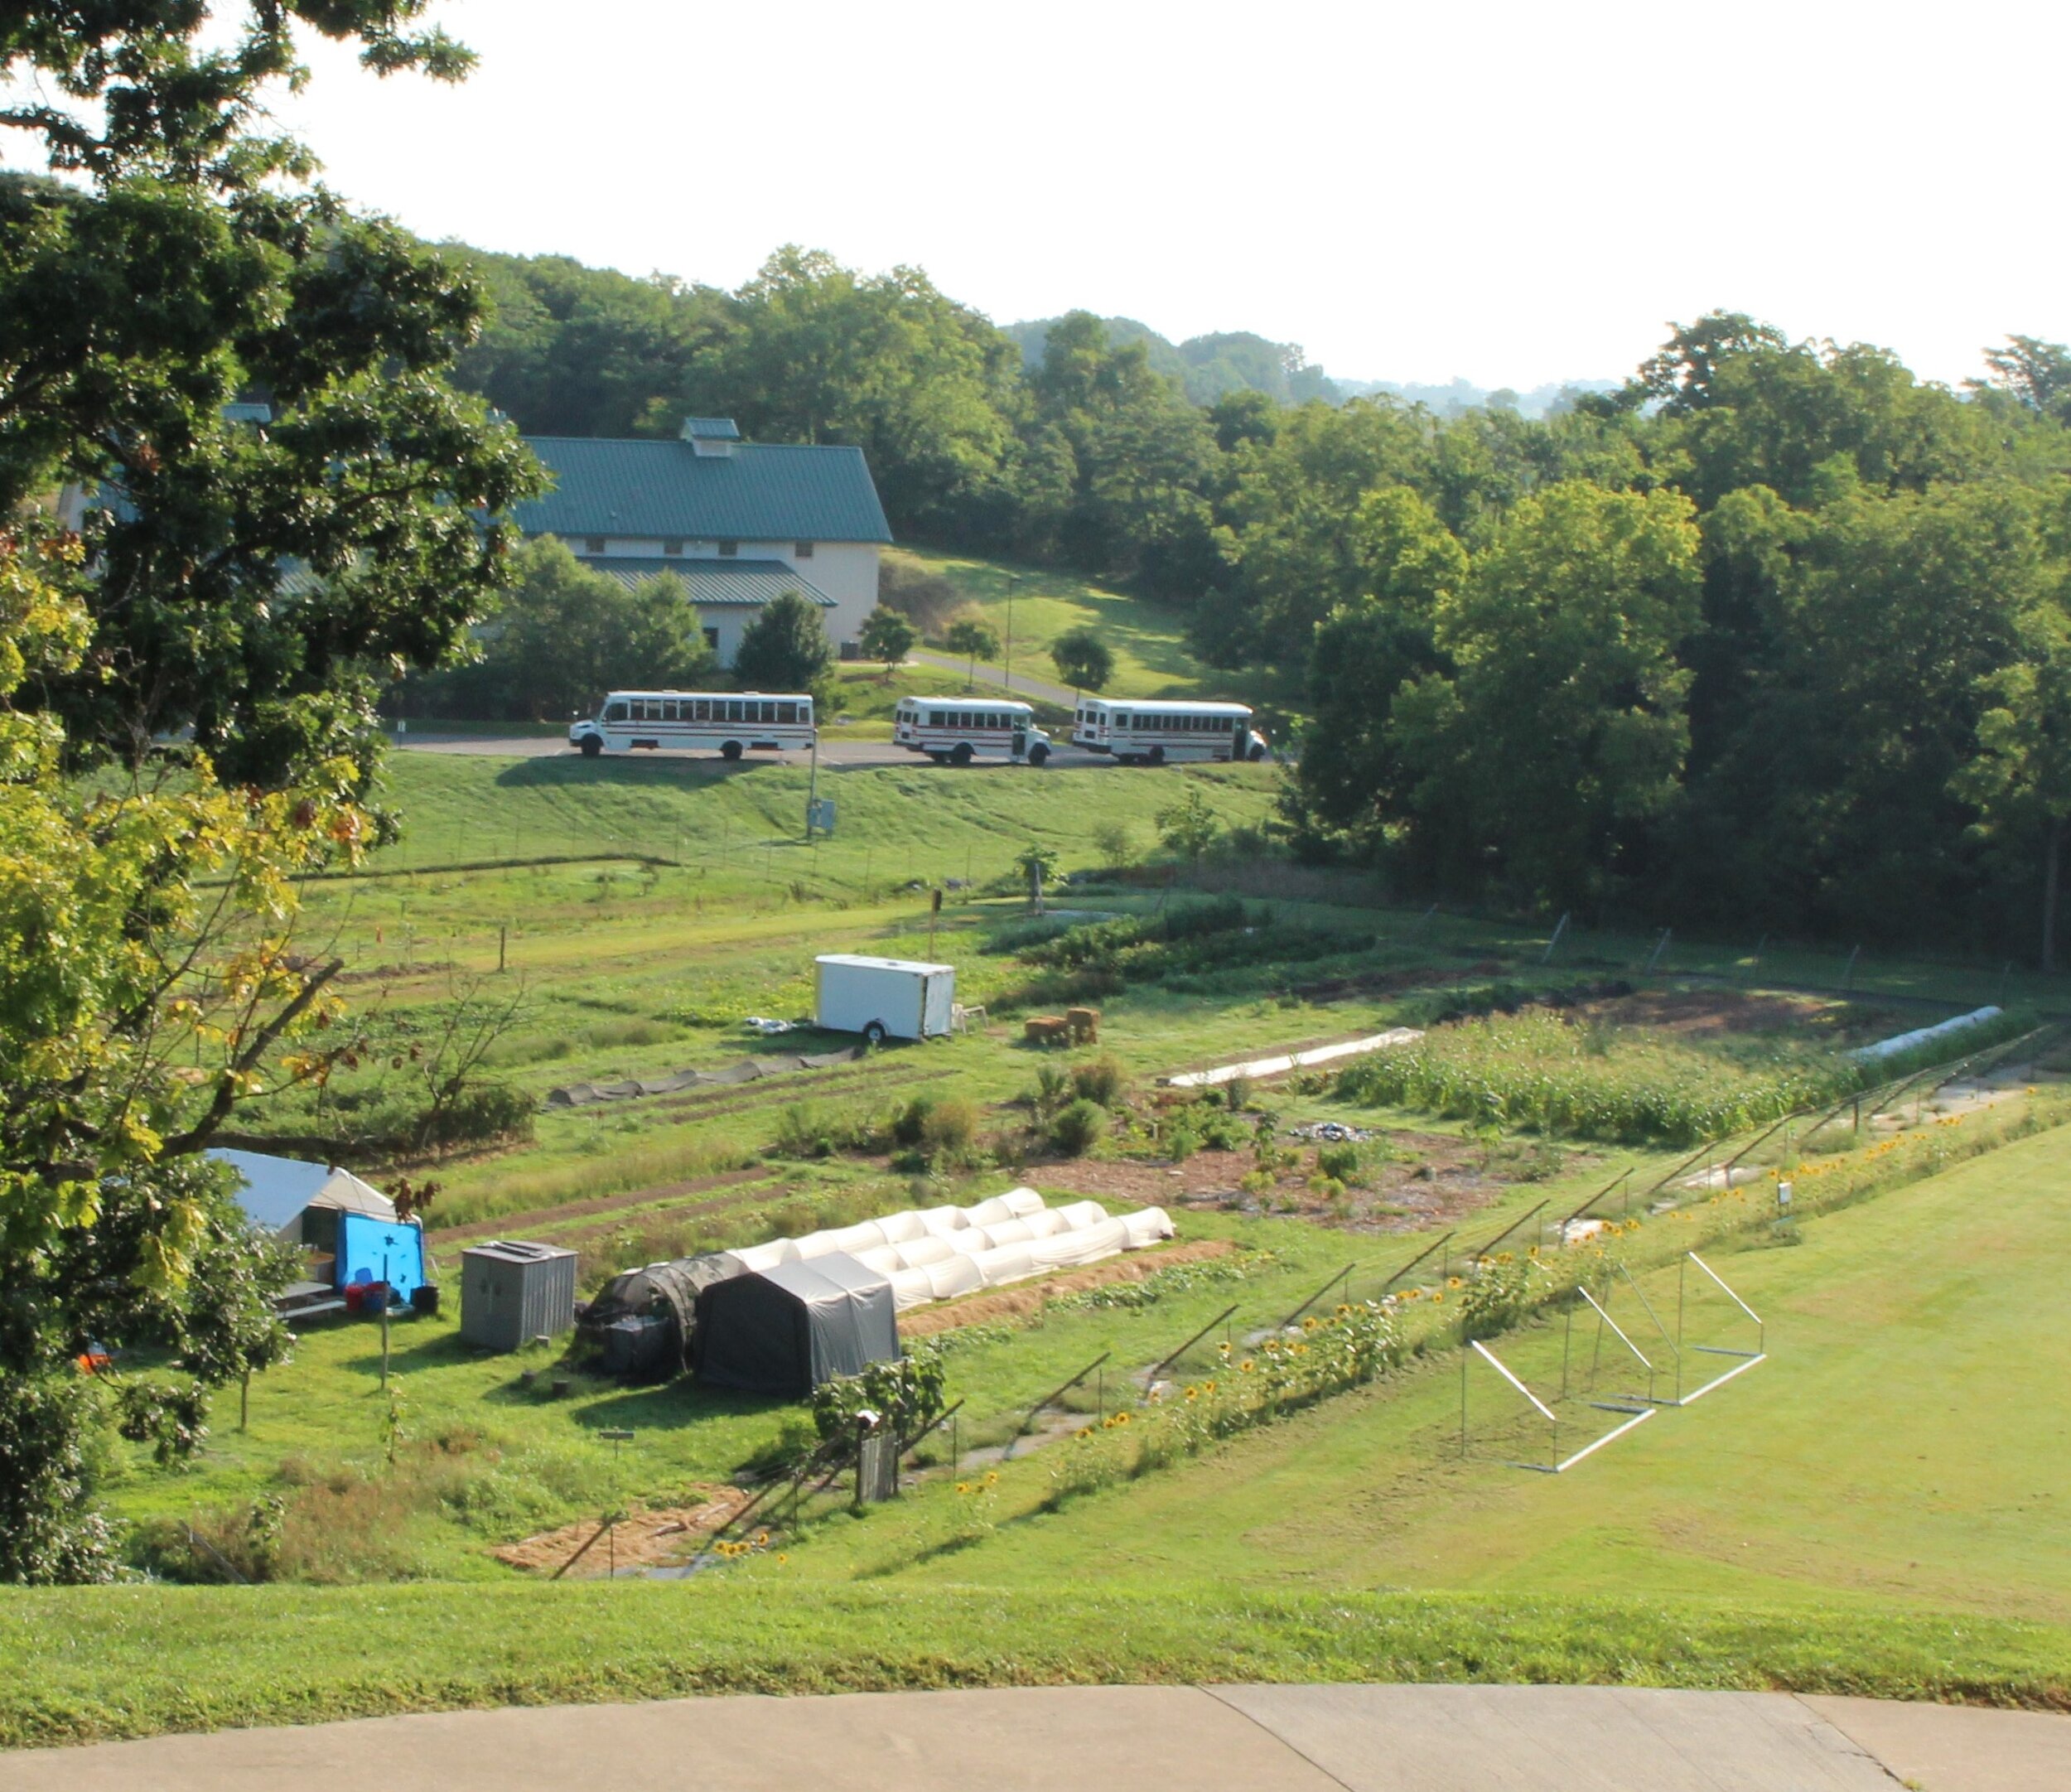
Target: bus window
[
  {"x": 668, "y": 710},
  {"x": 769, "y": 712},
  {"x": 787, "y": 712},
  {"x": 615, "y": 713}
]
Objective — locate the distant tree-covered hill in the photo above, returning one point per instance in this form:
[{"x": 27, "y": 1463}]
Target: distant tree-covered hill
[{"x": 1208, "y": 367}]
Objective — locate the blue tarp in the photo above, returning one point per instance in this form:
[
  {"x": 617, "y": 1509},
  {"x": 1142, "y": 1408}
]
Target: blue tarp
[{"x": 377, "y": 1250}]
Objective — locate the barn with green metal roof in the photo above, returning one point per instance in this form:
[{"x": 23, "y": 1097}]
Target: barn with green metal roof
[{"x": 739, "y": 522}]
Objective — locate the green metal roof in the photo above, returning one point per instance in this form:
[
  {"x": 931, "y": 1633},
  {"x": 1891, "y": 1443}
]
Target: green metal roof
[
  {"x": 758, "y": 492},
  {"x": 714, "y": 584}
]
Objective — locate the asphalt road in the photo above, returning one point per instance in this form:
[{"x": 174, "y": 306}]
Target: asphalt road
[
  {"x": 834, "y": 752},
  {"x": 1086, "y": 1739}
]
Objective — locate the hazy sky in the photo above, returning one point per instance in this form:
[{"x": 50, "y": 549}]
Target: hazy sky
[{"x": 1514, "y": 193}]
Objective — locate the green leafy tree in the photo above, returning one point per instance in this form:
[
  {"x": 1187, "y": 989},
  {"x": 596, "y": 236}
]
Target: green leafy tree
[
  {"x": 1189, "y": 827},
  {"x": 1040, "y": 868},
  {"x": 1083, "y": 660},
  {"x": 1560, "y": 729},
  {"x": 889, "y": 636},
  {"x": 1350, "y": 778},
  {"x": 976, "y": 638},
  {"x": 2021, "y": 779},
  {"x": 567, "y": 634},
  {"x": 785, "y": 648},
  {"x": 242, "y": 579}
]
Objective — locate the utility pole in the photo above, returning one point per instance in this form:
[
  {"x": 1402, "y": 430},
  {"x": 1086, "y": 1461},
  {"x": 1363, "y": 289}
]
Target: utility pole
[{"x": 1007, "y": 674}]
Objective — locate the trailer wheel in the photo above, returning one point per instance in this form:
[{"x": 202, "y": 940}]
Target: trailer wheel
[
  {"x": 961, "y": 753},
  {"x": 874, "y": 1034},
  {"x": 1157, "y": 756},
  {"x": 730, "y": 752},
  {"x": 1039, "y": 754},
  {"x": 592, "y": 746}
]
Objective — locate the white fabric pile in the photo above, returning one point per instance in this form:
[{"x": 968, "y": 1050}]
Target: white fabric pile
[{"x": 931, "y": 1253}]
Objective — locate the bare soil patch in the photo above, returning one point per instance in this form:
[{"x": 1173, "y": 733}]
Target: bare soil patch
[
  {"x": 1702, "y": 1013},
  {"x": 1435, "y": 1179},
  {"x": 644, "y": 1538},
  {"x": 1023, "y": 1298}
]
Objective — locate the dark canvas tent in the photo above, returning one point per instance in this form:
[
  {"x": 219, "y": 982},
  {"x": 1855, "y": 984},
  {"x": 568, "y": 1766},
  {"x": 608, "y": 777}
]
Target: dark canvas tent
[
  {"x": 786, "y": 1329},
  {"x": 642, "y": 1321}
]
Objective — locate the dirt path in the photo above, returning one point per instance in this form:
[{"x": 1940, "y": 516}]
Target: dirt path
[{"x": 643, "y": 1539}]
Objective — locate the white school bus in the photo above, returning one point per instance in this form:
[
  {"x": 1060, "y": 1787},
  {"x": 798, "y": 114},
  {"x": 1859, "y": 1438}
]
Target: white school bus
[
  {"x": 731, "y": 722},
  {"x": 1156, "y": 731},
  {"x": 953, "y": 731}
]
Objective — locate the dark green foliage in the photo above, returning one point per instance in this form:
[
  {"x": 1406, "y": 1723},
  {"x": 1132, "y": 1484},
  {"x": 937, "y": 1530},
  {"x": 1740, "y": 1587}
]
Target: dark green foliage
[
  {"x": 1206, "y": 937},
  {"x": 1079, "y": 1128},
  {"x": 785, "y": 648},
  {"x": 1101, "y": 1079},
  {"x": 564, "y": 635},
  {"x": 1082, "y": 659},
  {"x": 907, "y": 1396}
]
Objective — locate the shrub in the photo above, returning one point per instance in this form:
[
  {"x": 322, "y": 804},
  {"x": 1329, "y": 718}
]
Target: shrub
[
  {"x": 907, "y": 1395},
  {"x": 1341, "y": 1162},
  {"x": 947, "y": 1130},
  {"x": 1053, "y": 1089},
  {"x": 1079, "y": 1127},
  {"x": 911, "y": 1121},
  {"x": 1180, "y": 1142},
  {"x": 479, "y": 1113},
  {"x": 1101, "y": 1080},
  {"x": 1237, "y": 1094}
]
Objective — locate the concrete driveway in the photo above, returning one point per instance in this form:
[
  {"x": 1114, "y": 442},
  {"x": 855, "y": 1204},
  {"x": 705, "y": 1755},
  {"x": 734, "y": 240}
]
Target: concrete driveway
[{"x": 1144, "y": 1739}]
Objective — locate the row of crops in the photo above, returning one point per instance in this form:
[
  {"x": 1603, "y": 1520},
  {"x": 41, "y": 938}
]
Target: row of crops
[{"x": 1537, "y": 1071}]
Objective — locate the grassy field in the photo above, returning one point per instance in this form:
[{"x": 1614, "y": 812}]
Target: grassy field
[
  {"x": 1784, "y": 1532},
  {"x": 1874, "y": 1509},
  {"x": 1148, "y": 640}
]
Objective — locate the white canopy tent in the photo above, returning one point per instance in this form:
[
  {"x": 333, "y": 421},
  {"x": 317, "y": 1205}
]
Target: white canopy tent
[{"x": 933, "y": 1254}]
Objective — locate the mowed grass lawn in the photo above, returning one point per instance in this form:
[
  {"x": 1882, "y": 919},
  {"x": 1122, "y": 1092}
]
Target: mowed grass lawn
[
  {"x": 1880, "y": 1508},
  {"x": 1907, "y": 1446},
  {"x": 1148, "y": 640}
]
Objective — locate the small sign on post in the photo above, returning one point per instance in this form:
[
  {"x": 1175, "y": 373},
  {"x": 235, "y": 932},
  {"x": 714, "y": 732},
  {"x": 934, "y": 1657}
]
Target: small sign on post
[{"x": 819, "y": 816}]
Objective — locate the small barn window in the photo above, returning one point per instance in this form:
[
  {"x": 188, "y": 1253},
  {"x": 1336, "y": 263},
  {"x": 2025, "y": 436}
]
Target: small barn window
[
  {"x": 593, "y": 544},
  {"x": 728, "y": 549},
  {"x": 802, "y": 550},
  {"x": 673, "y": 545}
]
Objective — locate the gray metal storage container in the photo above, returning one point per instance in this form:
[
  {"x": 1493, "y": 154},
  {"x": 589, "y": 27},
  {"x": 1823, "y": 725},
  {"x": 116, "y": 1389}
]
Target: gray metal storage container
[{"x": 513, "y": 1292}]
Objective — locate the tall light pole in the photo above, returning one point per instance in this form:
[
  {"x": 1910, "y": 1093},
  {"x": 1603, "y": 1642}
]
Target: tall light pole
[{"x": 1007, "y": 673}]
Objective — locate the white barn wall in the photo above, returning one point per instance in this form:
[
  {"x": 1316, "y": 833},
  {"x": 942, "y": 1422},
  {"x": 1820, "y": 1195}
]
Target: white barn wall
[{"x": 846, "y": 570}]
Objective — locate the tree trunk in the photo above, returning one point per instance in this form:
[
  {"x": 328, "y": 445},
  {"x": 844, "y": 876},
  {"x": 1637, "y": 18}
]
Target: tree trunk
[{"x": 2051, "y": 880}]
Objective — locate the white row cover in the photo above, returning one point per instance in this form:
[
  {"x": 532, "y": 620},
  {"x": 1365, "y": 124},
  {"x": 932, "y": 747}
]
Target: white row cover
[{"x": 931, "y": 1253}]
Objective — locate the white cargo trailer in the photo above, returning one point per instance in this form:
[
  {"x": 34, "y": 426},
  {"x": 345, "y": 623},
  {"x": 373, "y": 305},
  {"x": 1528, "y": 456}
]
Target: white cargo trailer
[{"x": 884, "y": 998}]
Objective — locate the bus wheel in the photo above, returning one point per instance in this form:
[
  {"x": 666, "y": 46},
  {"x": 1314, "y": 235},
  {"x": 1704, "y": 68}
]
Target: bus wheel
[
  {"x": 875, "y": 1033},
  {"x": 592, "y": 746},
  {"x": 1157, "y": 756},
  {"x": 961, "y": 754},
  {"x": 1038, "y": 753},
  {"x": 1258, "y": 752},
  {"x": 731, "y": 750}
]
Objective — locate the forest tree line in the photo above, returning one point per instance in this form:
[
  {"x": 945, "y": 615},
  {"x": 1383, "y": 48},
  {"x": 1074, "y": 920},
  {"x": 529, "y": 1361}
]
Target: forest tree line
[{"x": 1772, "y": 637}]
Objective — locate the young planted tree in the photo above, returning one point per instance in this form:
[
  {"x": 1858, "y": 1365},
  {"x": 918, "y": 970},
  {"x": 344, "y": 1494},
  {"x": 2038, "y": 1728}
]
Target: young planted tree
[
  {"x": 1040, "y": 868},
  {"x": 976, "y": 638},
  {"x": 889, "y": 637},
  {"x": 785, "y": 648},
  {"x": 1083, "y": 660},
  {"x": 1189, "y": 827}
]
